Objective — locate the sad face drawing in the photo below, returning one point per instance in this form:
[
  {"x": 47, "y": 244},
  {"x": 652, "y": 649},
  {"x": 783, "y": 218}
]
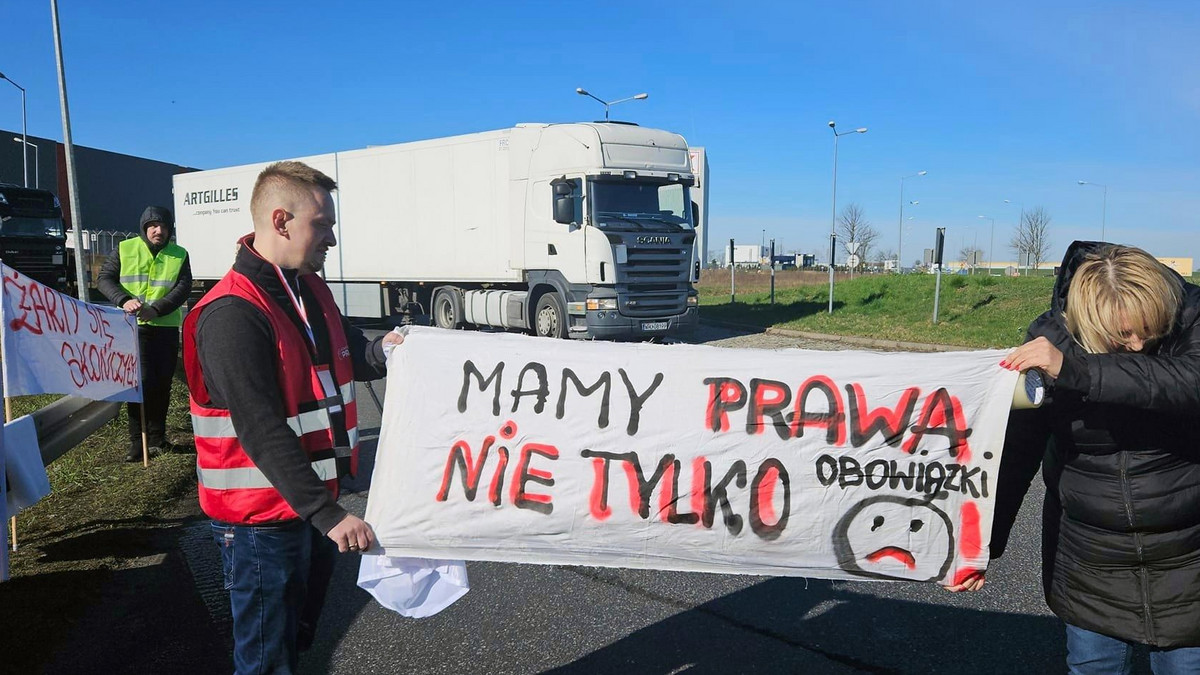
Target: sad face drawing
[{"x": 890, "y": 537}]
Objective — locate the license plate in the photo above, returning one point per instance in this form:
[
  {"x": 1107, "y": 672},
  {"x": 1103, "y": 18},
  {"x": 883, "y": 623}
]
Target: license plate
[{"x": 654, "y": 325}]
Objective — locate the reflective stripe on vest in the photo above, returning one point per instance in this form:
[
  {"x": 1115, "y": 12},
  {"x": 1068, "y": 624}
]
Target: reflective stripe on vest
[
  {"x": 149, "y": 277},
  {"x": 231, "y": 488},
  {"x": 318, "y": 420},
  {"x": 250, "y": 477}
]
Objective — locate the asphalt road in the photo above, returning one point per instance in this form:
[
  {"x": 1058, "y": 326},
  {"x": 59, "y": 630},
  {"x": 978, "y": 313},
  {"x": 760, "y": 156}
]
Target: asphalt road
[{"x": 533, "y": 619}]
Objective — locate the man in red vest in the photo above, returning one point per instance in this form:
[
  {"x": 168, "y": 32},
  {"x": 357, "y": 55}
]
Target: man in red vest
[{"x": 271, "y": 365}]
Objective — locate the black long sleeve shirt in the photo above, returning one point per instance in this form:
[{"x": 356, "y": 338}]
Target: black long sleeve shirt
[{"x": 238, "y": 354}]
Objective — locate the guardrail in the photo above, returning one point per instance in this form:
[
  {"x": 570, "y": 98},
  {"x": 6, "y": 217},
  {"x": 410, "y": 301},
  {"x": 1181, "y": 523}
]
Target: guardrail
[{"x": 64, "y": 424}]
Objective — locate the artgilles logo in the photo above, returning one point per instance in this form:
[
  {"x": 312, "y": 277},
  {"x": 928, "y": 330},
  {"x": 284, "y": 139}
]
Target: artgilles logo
[{"x": 229, "y": 194}]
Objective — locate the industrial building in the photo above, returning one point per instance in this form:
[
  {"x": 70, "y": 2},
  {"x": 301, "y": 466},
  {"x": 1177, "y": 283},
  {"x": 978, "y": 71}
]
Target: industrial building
[{"x": 113, "y": 188}]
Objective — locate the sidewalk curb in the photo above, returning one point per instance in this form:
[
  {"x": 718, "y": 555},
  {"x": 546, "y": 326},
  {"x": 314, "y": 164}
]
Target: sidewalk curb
[{"x": 847, "y": 339}]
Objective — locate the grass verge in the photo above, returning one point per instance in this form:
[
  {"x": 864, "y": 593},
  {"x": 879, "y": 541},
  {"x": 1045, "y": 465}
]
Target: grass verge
[
  {"x": 973, "y": 311},
  {"x": 94, "y": 489}
]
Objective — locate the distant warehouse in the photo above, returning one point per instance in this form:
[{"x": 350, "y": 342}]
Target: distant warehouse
[{"x": 113, "y": 188}]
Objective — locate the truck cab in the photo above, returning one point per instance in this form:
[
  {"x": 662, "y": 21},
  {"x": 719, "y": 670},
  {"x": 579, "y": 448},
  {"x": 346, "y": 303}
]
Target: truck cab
[
  {"x": 32, "y": 237},
  {"x": 619, "y": 227}
]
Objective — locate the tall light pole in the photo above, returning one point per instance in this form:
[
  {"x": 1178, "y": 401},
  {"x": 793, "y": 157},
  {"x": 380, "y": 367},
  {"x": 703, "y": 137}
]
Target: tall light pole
[
  {"x": 37, "y": 183},
  {"x": 69, "y": 154},
  {"x": 900, "y": 239},
  {"x": 833, "y": 220},
  {"x": 608, "y": 104},
  {"x": 991, "y": 242},
  {"x": 1020, "y": 217},
  {"x": 1103, "y": 205},
  {"x": 24, "y": 135}
]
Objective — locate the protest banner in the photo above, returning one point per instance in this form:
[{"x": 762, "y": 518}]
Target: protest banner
[
  {"x": 55, "y": 344},
  {"x": 850, "y": 465}
]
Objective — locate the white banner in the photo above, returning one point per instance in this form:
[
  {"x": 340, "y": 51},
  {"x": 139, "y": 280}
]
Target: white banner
[
  {"x": 25, "y": 473},
  {"x": 800, "y": 463},
  {"x": 55, "y": 344}
]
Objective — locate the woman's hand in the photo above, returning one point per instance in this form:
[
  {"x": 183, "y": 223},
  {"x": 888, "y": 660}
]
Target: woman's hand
[
  {"x": 972, "y": 582},
  {"x": 1038, "y": 353}
]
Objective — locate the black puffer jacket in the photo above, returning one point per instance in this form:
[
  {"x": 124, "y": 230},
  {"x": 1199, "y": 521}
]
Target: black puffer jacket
[{"x": 1121, "y": 523}]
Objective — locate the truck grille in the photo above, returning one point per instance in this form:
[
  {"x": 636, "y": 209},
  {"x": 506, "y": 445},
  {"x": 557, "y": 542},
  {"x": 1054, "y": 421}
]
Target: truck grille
[{"x": 654, "y": 280}]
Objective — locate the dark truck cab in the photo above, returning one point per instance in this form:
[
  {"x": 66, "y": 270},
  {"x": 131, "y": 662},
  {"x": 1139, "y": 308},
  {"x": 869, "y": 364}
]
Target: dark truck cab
[{"x": 32, "y": 237}]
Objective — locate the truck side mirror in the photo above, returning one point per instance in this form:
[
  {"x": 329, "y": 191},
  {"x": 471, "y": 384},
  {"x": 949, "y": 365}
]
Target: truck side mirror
[
  {"x": 564, "y": 203},
  {"x": 564, "y": 210}
]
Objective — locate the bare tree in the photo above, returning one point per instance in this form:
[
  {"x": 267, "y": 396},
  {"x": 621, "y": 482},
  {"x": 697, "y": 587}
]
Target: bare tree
[
  {"x": 853, "y": 227},
  {"x": 970, "y": 256},
  {"x": 886, "y": 257},
  {"x": 1032, "y": 237}
]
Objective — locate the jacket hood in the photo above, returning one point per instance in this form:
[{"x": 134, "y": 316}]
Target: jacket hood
[{"x": 158, "y": 214}]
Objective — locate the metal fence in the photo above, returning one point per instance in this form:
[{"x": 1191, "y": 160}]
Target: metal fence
[{"x": 98, "y": 245}]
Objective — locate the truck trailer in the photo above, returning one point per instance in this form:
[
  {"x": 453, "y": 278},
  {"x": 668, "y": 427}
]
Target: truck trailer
[{"x": 583, "y": 230}]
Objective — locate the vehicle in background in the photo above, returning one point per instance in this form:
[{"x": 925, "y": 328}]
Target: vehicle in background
[
  {"x": 32, "y": 237},
  {"x": 580, "y": 230}
]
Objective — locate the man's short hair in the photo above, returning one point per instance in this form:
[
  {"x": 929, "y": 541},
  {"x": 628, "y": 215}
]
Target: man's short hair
[
  {"x": 285, "y": 176},
  {"x": 1116, "y": 284}
]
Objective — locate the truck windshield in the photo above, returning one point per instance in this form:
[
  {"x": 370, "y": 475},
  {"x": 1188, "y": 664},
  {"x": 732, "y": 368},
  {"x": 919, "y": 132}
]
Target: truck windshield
[
  {"x": 20, "y": 226},
  {"x": 640, "y": 205}
]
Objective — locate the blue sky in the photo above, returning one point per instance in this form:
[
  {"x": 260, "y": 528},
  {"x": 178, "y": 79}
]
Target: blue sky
[{"x": 1014, "y": 100}]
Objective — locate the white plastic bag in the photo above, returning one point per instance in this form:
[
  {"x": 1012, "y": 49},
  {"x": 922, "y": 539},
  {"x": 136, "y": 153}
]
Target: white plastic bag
[{"x": 413, "y": 587}]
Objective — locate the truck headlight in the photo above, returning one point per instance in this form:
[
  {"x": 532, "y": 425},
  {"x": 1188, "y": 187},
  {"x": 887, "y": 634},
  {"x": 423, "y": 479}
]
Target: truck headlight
[
  {"x": 601, "y": 303},
  {"x": 693, "y": 300}
]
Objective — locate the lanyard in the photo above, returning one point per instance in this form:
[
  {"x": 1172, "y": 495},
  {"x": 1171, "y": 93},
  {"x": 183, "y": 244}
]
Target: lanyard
[
  {"x": 298, "y": 305},
  {"x": 324, "y": 376}
]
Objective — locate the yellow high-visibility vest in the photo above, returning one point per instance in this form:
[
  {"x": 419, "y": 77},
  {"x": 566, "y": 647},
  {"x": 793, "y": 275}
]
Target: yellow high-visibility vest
[{"x": 150, "y": 277}]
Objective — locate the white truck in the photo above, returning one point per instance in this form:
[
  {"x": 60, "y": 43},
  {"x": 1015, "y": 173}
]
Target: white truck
[{"x": 581, "y": 230}]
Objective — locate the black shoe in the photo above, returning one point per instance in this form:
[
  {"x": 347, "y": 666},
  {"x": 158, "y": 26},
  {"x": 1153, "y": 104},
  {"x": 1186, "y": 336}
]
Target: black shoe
[{"x": 134, "y": 455}]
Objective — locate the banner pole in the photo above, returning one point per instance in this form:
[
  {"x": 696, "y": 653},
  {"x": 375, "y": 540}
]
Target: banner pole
[
  {"x": 142, "y": 388},
  {"x": 12, "y": 521},
  {"x": 145, "y": 448}
]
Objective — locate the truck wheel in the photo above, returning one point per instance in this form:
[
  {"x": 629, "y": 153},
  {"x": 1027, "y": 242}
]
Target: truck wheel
[
  {"x": 447, "y": 308},
  {"x": 550, "y": 318}
]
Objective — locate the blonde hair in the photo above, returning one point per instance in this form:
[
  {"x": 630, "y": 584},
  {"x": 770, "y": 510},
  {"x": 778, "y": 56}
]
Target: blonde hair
[
  {"x": 294, "y": 177},
  {"x": 1119, "y": 284}
]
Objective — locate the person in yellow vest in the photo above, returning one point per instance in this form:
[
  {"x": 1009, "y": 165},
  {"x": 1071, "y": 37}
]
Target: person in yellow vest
[{"x": 151, "y": 277}]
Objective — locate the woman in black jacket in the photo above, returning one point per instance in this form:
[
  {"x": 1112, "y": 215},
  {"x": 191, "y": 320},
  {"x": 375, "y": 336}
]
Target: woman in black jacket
[{"x": 1121, "y": 439}]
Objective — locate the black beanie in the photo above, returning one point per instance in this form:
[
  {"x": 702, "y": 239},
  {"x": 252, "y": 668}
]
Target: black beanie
[{"x": 160, "y": 214}]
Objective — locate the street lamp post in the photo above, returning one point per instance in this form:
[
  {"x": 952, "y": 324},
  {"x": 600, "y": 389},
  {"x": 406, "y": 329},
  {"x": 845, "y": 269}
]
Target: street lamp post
[
  {"x": 991, "y": 242},
  {"x": 608, "y": 104},
  {"x": 900, "y": 239},
  {"x": 1103, "y": 205},
  {"x": 37, "y": 183},
  {"x": 833, "y": 220},
  {"x": 24, "y": 135},
  {"x": 1020, "y": 217}
]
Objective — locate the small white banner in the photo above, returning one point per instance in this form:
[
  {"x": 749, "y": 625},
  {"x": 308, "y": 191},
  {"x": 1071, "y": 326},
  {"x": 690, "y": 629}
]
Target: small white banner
[
  {"x": 679, "y": 457},
  {"x": 26, "y": 474},
  {"x": 55, "y": 344}
]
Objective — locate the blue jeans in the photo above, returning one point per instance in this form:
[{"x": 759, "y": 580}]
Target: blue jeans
[
  {"x": 1091, "y": 653},
  {"x": 276, "y": 578}
]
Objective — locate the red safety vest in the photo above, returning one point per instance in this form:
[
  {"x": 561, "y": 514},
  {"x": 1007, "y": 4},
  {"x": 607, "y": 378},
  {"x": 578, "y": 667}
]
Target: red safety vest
[{"x": 232, "y": 489}]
